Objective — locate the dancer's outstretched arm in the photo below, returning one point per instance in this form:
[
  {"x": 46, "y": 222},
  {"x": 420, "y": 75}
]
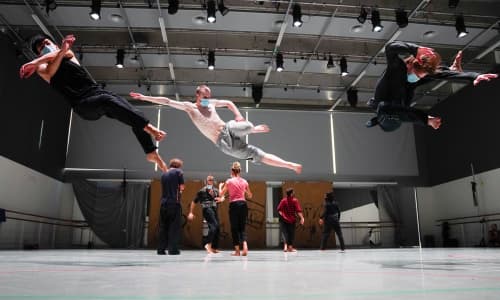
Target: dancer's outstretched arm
[
  {"x": 230, "y": 105},
  {"x": 181, "y": 105}
]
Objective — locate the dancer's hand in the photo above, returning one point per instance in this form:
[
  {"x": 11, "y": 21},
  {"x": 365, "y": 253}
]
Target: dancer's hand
[
  {"x": 190, "y": 216},
  {"x": 27, "y": 70},
  {"x": 67, "y": 43},
  {"x": 457, "y": 63},
  {"x": 434, "y": 122},
  {"x": 484, "y": 77},
  {"x": 302, "y": 221},
  {"x": 320, "y": 221},
  {"x": 137, "y": 96},
  {"x": 219, "y": 199}
]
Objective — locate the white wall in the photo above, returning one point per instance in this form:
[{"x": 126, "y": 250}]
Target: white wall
[
  {"x": 25, "y": 190},
  {"x": 454, "y": 199},
  {"x": 358, "y": 236}
]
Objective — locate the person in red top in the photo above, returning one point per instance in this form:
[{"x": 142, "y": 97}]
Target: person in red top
[
  {"x": 288, "y": 209},
  {"x": 238, "y": 190}
]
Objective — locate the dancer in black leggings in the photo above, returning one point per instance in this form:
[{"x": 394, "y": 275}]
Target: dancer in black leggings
[
  {"x": 330, "y": 220},
  {"x": 60, "y": 68},
  {"x": 206, "y": 197},
  {"x": 238, "y": 190}
]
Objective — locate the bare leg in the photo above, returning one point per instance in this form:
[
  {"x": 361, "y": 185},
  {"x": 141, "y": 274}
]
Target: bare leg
[
  {"x": 154, "y": 157},
  {"x": 285, "y": 247},
  {"x": 209, "y": 248},
  {"x": 156, "y": 133},
  {"x": 275, "y": 161},
  {"x": 245, "y": 249},
  {"x": 236, "y": 251}
]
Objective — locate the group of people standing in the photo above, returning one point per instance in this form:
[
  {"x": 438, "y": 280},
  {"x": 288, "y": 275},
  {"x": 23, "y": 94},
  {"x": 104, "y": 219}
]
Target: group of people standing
[{"x": 238, "y": 191}]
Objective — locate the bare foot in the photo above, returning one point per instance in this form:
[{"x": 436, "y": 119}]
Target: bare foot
[
  {"x": 235, "y": 254},
  {"x": 244, "y": 253},
  {"x": 154, "y": 157},
  {"x": 297, "y": 168},
  {"x": 291, "y": 249},
  {"x": 156, "y": 133},
  {"x": 261, "y": 129},
  {"x": 215, "y": 250},
  {"x": 209, "y": 249}
]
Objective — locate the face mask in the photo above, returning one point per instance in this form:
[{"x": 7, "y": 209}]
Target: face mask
[
  {"x": 209, "y": 187},
  {"x": 48, "y": 49},
  {"x": 412, "y": 78},
  {"x": 204, "y": 102}
]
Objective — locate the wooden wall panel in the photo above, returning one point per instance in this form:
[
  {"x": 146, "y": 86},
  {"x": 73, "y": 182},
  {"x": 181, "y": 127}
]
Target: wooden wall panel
[{"x": 311, "y": 196}]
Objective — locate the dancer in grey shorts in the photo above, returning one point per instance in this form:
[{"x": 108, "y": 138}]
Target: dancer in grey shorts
[{"x": 228, "y": 137}]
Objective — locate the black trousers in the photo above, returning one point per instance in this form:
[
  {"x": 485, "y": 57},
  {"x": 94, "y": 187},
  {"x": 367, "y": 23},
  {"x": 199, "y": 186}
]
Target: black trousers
[
  {"x": 287, "y": 232},
  {"x": 330, "y": 223},
  {"x": 210, "y": 215},
  {"x": 238, "y": 213},
  {"x": 170, "y": 227},
  {"x": 103, "y": 103}
]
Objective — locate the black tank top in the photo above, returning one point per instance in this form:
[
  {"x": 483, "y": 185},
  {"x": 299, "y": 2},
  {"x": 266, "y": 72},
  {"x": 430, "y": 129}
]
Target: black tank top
[{"x": 72, "y": 81}]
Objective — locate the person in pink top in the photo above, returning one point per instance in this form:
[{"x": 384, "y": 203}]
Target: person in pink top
[
  {"x": 238, "y": 190},
  {"x": 288, "y": 209}
]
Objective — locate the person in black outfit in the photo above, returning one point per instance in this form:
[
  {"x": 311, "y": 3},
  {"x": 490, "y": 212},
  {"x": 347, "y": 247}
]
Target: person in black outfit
[
  {"x": 206, "y": 197},
  {"x": 172, "y": 185},
  {"x": 60, "y": 68},
  {"x": 330, "y": 219},
  {"x": 409, "y": 66}
]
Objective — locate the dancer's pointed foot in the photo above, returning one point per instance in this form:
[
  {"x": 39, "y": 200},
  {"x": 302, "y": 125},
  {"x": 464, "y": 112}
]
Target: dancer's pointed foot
[
  {"x": 209, "y": 249},
  {"x": 154, "y": 157},
  {"x": 263, "y": 128}
]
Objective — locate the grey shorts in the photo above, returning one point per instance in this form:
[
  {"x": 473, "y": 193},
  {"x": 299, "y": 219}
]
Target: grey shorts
[{"x": 234, "y": 145}]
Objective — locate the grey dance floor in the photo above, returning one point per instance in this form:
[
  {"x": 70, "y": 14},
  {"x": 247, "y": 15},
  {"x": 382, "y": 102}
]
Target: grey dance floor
[{"x": 308, "y": 274}]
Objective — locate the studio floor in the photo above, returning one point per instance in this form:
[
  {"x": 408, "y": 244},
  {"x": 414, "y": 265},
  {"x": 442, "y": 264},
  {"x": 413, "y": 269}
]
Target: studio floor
[{"x": 308, "y": 274}]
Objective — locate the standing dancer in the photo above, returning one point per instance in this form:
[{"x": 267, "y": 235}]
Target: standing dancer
[
  {"x": 60, "y": 68},
  {"x": 288, "y": 209},
  {"x": 238, "y": 190},
  {"x": 331, "y": 220},
  {"x": 206, "y": 197}
]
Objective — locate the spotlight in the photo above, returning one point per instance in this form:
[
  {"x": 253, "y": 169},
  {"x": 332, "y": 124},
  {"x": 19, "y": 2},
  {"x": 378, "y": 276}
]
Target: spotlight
[
  {"x": 95, "y": 10},
  {"x": 50, "y": 5},
  {"x": 120, "y": 55},
  {"x": 352, "y": 96},
  {"x": 222, "y": 8},
  {"x": 318, "y": 90},
  {"x": 211, "y": 60},
  {"x": 363, "y": 14},
  {"x": 257, "y": 94},
  {"x": 173, "y": 7},
  {"x": 376, "y": 23},
  {"x": 279, "y": 62},
  {"x": 297, "y": 15},
  {"x": 343, "y": 67},
  {"x": 453, "y": 3},
  {"x": 211, "y": 11},
  {"x": 401, "y": 18},
  {"x": 460, "y": 26},
  {"x": 330, "y": 63}
]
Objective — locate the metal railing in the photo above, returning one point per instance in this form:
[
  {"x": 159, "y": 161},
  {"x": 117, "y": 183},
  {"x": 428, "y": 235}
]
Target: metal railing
[{"x": 470, "y": 230}]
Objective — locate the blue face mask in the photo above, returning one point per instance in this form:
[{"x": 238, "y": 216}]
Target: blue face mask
[
  {"x": 205, "y": 102},
  {"x": 209, "y": 187},
  {"x": 47, "y": 49},
  {"x": 412, "y": 78}
]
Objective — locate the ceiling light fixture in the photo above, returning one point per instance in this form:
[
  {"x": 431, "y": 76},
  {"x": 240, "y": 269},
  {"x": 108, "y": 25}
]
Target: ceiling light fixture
[
  {"x": 211, "y": 60},
  {"x": 95, "y": 10},
  {"x": 460, "y": 26},
  {"x": 401, "y": 18},
  {"x": 173, "y": 7},
  {"x": 297, "y": 15},
  {"x": 211, "y": 9},
  {"x": 120, "y": 56},
  {"x": 343, "y": 66},
  {"x": 376, "y": 22},
  {"x": 222, "y": 8},
  {"x": 279, "y": 62},
  {"x": 363, "y": 14}
]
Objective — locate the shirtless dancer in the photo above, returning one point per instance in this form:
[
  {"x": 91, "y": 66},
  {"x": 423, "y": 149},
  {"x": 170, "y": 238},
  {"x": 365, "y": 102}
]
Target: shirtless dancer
[{"x": 228, "y": 137}]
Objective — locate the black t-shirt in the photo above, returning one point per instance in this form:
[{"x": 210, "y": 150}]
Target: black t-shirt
[
  {"x": 205, "y": 198},
  {"x": 170, "y": 182}
]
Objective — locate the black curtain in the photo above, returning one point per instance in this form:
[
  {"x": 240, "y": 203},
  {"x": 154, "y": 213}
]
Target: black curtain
[
  {"x": 388, "y": 204},
  {"x": 114, "y": 211}
]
